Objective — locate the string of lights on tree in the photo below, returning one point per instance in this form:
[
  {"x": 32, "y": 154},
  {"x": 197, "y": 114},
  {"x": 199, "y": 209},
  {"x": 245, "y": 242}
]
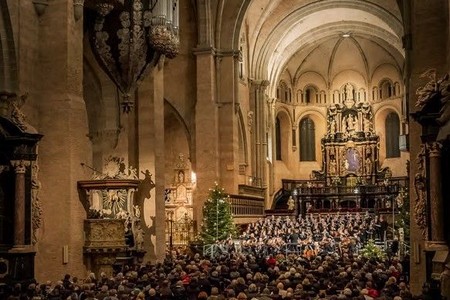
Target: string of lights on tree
[{"x": 217, "y": 217}]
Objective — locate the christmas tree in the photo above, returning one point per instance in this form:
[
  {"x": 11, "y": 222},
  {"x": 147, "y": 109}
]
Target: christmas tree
[{"x": 217, "y": 218}]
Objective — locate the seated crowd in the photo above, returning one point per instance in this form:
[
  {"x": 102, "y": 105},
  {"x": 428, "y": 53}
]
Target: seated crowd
[{"x": 243, "y": 274}]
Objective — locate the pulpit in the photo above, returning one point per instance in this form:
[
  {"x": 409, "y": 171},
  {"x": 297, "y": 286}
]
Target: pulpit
[
  {"x": 18, "y": 205},
  {"x": 112, "y": 228}
]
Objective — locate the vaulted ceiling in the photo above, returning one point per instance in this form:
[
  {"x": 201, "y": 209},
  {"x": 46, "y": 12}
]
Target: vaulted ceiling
[{"x": 323, "y": 36}]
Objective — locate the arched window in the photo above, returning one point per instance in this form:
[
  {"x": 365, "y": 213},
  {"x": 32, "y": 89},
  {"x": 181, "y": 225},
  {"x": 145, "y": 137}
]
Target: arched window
[
  {"x": 310, "y": 95},
  {"x": 241, "y": 64},
  {"x": 278, "y": 139},
  {"x": 392, "y": 135},
  {"x": 299, "y": 96},
  {"x": 307, "y": 140},
  {"x": 386, "y": 89},
  {"x": 283, "y": 92},
  {"x": 396, "y": 89},
  {"x": 241, "y": 57}
]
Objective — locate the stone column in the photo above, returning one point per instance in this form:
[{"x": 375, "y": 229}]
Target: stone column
[
  {"x": 205, "y": 160},
  {"x": 436, "y": 201},
  {"x": 148, "y": 140},
  {"x": 227, "y": 74},
  {"x": 63, "y": 120},
  {"x": 20, "y": 167},
  {"x": 258, "y": 104}
]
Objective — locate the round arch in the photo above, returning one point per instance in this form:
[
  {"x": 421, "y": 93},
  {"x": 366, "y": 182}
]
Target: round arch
[
  {"x": 177, "y": 129},
  {"x": 283, "y": 128},
  {"x": 380, "y": 124}
]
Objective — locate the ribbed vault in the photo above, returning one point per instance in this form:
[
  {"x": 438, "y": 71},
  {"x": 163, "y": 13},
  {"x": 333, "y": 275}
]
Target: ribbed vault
[{"x": 321, "y": 36}]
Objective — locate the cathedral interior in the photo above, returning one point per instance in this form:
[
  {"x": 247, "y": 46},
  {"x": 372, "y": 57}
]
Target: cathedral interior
[{"x": 139, "y": 107}]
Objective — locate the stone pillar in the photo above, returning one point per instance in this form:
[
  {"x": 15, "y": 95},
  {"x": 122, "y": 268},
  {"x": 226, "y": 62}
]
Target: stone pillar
[
  {"x": 20, "y": 168},
  {"x": 258, "y": 104},
  {"x": 63, "y": 121},
  {"x": 227, "y": 74},
  {"x": 205, "y": 156},
  {"x": 149, "y": 144},
  {"x": 436, "y": 200}
]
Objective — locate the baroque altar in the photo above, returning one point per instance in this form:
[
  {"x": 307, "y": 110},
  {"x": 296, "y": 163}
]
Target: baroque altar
[
  {"x": 350, "y": 147},
  {"x": 351, "y": 177},
  {"x": 179, "y": 208}
]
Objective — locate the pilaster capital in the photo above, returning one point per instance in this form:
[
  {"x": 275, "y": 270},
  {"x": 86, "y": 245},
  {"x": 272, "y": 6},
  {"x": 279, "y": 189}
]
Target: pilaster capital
[
  {"x": 209, "y": 50},
  {"x": 259, "y": 83},
  {"x": 271, "y": 103},
  {"x": 20, "y": 166},
  {"x": 435, "y": 149}
]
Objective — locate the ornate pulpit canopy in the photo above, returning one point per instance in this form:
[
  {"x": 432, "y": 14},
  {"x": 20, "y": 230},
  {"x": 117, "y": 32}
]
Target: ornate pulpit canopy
[{"x": 129, "y": 36}]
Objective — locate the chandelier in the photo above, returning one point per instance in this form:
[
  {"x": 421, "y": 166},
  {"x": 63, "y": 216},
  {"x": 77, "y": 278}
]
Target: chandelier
[{"x": 129, "y": 36}]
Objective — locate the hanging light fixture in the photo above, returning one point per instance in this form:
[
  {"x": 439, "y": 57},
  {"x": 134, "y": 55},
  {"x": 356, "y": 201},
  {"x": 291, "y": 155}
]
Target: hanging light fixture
[{"x": 129, "y": 36}]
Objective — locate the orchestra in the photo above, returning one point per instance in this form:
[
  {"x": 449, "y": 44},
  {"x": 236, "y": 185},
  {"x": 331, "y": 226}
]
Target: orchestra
[{"x": 313, "y": 234}]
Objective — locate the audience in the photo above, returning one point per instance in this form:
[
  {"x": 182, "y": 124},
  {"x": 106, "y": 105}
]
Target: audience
[{"x": 314, "y": 257}]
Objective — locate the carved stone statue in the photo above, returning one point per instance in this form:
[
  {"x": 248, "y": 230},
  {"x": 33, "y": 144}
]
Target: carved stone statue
[
  {"x": 348, "y": 91},
  {"x": 332, "y": 126},
  {"x": 368, "y": 166},
  {"x": 420, "y": 209},
  {"x": 137, "y": 211},
  {"x": 367, "y": 124},
  {"x": 291, "y": 203},
  {"x": 332, "y": 166},
  {"x": 138, "y": 236},
  {"x": 180, "y": 176},
  {"x": 351, "y": 123}
]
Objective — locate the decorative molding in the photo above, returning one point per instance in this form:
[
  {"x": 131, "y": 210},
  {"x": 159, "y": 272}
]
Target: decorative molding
[
  {"x": 433, "y": 89},
  {"x": 259, "y": 83},
  {"x": 435, "y": 246},
  {"x": 10, "y": 107},
  {"x": 420, "y": 206},
  {"x": 36, "y": 206},
  {"x": 104, "y": 233},
  {"x": 209, "y": 50}
]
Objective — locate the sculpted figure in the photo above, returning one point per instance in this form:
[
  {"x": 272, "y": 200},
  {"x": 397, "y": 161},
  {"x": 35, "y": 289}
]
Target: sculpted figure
[
  {"x": 348, "y": 92},
  {"x": 291, "y": 203}
]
